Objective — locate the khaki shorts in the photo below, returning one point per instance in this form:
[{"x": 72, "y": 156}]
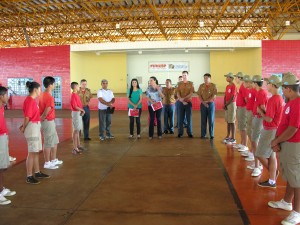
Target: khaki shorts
[
  {"x": 230, "y": 113},
  {"x": 264, "y": 149},
  {"x": 50, "y": 134},
  {"x": 289, "y": 158},
  {"x": 257, "y": 126},
  {"x": 33, "y": 136},
  {"x": 76, "y": 120},
  {"x": 4, "y": 156},
  {"x": 249, "y": 123},
  {"x": 242, "y": 118}
]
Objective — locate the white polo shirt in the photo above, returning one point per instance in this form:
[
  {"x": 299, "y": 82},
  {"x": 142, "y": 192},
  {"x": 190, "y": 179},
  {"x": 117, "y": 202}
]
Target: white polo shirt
[{"x": 106, "y": 95}]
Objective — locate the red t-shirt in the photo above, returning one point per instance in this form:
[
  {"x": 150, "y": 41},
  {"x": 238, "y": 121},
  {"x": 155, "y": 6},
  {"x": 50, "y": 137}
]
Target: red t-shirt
[
  {"x": 230, "y": 92},
  {"x": 31, "y": 110},
  {"x": 3, "y": 127},
  {"x": 261, "y": 99},
  {"x": 273, "y": 110},
  {"x": 242, "y": 94},
  {"x": 251, "y": 99},
  {"x": 290, "y": 117},
  {"x": 75, "y": 102},
  {"x": 46, "y": 100}
]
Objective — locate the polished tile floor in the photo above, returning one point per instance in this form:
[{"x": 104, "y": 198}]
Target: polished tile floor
[{"x": 123, "y": 181}]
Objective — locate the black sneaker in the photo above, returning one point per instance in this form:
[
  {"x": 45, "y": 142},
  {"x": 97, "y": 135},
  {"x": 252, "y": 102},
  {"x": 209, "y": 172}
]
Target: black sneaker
[
  {"x": 87, "y": 139},
  {"x": 31, "y": 180},
  {"x": 41, "y": 175},
  {"x": 179, "y": 135},
  {"x": 190, "y": 136},
  {"x": 166, "y": 132},
  {"x": 266, "y": 184},
  {"x": 171, "y": 132}
]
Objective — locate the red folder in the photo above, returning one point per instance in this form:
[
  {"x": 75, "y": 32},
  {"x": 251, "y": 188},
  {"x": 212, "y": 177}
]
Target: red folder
[
  {"x": 157, "y": 106},
  {"x": 133, "y": 112}
]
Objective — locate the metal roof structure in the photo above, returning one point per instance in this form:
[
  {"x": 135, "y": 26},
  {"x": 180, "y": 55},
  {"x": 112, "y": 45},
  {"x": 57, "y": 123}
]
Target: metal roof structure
[{"x": 61, "y": 22}]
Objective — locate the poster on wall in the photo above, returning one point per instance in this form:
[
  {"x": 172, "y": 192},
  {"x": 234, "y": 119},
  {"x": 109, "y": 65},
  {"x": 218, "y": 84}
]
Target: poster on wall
[{"x": 168, "y": 66}]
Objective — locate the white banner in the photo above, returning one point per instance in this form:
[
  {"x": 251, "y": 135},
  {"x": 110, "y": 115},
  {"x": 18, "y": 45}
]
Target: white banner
[{"x": 165, "y": 66}]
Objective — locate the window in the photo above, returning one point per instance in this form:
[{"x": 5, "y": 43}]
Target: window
[{"x": 18, "y": 85}]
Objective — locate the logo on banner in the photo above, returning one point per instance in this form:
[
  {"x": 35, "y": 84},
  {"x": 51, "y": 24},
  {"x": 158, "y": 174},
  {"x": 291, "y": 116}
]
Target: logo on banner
[{"x": 168, "y": 66}]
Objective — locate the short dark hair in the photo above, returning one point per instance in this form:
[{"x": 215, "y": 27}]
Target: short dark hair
[
  {"x": 180, "y": 76},
  {"x": 259, "y": 83},
  {"x": 294, "y": 87},
  {"x": 169, "y": 80},
  {"x": 185, "y": 72},
  {"x": 207, "y": 75},
  {"x": 32, "y": 85},
  {"x": 73, "y": 84},
  {"x": 83, "y": 80},
  {"x": 48, "y": 81},
  {"x": 3, "y": 90}
]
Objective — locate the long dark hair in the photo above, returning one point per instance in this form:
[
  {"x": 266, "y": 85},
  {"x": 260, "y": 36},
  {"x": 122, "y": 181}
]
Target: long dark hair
[
  {"x": 32, "y": 85},
  {"x": 155, "y": 79},
  {"x": 131, "y": 87}
]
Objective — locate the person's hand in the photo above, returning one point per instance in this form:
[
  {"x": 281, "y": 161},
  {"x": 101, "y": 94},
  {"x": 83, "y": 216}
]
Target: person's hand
[
  {"x": 184, "y": 103},
  {"x": 21, "y": 128},
  {"x": 205, "y": 104},
  {"x": 43, "y": 117},
  {"x": 225, "y": 107},
  {"x": 134, "y": 107},
  {"x": 276, "y": 148},
  {"x": 82, "y": 113}
]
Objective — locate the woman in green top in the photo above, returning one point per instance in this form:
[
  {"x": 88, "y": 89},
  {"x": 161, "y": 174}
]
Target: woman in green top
[{"x": 135, "y": 102}]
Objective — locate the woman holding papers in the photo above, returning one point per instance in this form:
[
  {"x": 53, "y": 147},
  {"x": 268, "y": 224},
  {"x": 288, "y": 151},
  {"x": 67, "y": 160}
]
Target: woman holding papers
[
  {"x": 134, "y": 107},
  {"x": 154, "y": 96}
]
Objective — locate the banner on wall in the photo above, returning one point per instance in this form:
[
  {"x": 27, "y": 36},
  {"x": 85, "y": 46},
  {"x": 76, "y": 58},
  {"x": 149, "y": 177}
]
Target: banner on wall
[{"x": 165, "y": 66}]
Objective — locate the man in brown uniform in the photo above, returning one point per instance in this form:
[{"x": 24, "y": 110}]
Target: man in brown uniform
[
  {"x": 85, "y": 97},
  {"x": 169, "y": 107},
  {"x": 185, "y": 91},
  {"x": 207, "y": 93}
]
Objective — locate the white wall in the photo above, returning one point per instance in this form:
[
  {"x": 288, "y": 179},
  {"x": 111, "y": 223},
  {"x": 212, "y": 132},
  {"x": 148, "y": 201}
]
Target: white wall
[{"x": 137, "y": 65}]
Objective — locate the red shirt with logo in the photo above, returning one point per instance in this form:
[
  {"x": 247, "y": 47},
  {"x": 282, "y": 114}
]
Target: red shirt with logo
[
  {"x": 3, "y": 127},
  {"x": 273, "y": 110},
  {"x": 242, "y": 94},
  {"x": 31, "y": 110},
  {"x": 291, "y": 117},
  {"x": 251, "y": 96},
  {"x": 261, "y": 99},
  {"x": 230, "y": 92},
  {"x": 46, "y": 100},
  {"x": 75, "y": 102}
]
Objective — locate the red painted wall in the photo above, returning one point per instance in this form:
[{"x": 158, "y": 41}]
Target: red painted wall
[
  {"x": 36, "y": 62},
  {"x": 280, "y": 57}
]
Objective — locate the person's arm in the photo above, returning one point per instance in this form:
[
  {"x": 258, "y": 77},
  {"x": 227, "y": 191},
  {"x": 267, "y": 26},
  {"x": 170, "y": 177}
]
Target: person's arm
[
  {"x": 190, "y": 94},
  {"x": 286, "y": 135},
  {"x": 263, "y": 115},
  {"x": 160, "y": 92},
  {"x": 45, "y": 113},
  {"x": 24, "y": 125}
]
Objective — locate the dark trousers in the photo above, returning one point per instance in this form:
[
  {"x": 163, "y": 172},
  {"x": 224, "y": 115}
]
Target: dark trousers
[
  {"x": 185, "y": 110},
  {"x": 207, "y": 113},
  {"x": 138, "y": 123},
  {"x": 86, "y": 121},
  {"x": 169, "y": 111},
  {"x": 156, "y": 113},
  {"x": 178, "y": 115}
]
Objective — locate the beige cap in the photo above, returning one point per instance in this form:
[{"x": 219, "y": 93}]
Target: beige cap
[
  {"x": 239, "y": 75},
  {"x": 229, "y": 75},
  {"x": 289, "y": 79},
  {"x": 247, "y": 78},
  {"x": 257, "y": 78},
  {"x": 273, "y": 80}
]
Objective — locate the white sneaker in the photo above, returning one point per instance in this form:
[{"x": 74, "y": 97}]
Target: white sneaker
[
  {"x": 256, "y": 172},
  {"x": 4, "y": 201},
  {"x": 225, "y": 140},
  {"x": 56, "y": 162},
  {"x": 245, "y": 154},
  {"x": 292, "y": 219},
  {"x": 250, "y": 157},
  {"x": 252, "y": 167},
  {"x": 11, "y": 159},
  {"x": 6, "y": 192},
  {"x": 281, "y": 205},
  {"x": 243, "y": 148},
  {"x": 49, "y": 165},
  {"x": 236, "y": 145}
]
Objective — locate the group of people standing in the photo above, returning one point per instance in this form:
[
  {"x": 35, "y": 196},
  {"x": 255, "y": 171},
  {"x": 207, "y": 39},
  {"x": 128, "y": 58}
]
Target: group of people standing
[{"x": 271, "y": 127}]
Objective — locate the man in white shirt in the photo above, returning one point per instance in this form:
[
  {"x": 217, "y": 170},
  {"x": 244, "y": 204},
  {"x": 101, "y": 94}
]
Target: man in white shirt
[{"x": 106, "y": 99}]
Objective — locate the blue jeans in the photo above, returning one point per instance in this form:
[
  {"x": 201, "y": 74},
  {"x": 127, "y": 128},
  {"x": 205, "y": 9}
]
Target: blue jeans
[
  {"x": 156, "y": 113},
  {"x": 187, "y": 111},
  {"x": 178, "y": 114},
  {"x": 86, "y": 121},
  {"x": 207, "y": 113},
  {"x": 169, "y": 112},
  {"x": 104, "y": 122}
]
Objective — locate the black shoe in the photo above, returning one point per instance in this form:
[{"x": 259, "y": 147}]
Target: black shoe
[
  {"x": 203, "y": 137},
  {"x": 211, "y": 138},
  {"x": 266, "y": 184},
  {"x": 171, "y": 132},
  {"x": 41, "y": 175},
  {"x": 166, "y": 132},
  {"x": 179, "y": 135},
  {"x": 87, "y": 139},
  {"x": 31, "y": 180},
  {"x": 190, "y": 136}
]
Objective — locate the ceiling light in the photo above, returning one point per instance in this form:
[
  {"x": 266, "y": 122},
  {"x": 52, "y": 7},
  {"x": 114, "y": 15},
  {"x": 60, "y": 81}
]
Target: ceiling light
[
  {"x": 201, "y": 23},
  {"x": 140, "y": 52},
  {"x": 118, "y": 26},
  {"x": 287, "y": 23},
  {"x": 42, "y": 30}
]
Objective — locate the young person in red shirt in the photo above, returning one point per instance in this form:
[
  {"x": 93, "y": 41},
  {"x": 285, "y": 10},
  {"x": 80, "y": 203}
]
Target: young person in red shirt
[
  {"x": 287, "y": 143},
  {"x": 47, "y": 112},
  {"x": 271, "y": 118},
  {"x": 257, "y": 121},
  {"x": 77, "y": 113},
  {"x": 241, "y": 111},
  {"x": 4, "y": 159},
  {"x": 31, "y": 128},
  {"x": 230, "y": 109}
]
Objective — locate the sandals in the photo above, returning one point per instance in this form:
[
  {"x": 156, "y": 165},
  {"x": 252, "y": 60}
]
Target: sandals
[
  {"x": 81, "y": 148},
  {"x": 76, "y": 151}
]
